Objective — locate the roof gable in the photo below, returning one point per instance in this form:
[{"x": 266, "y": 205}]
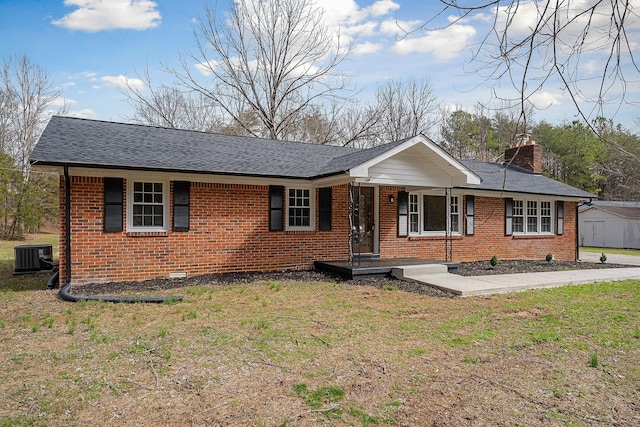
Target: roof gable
[{"x": 415, "y": 161}]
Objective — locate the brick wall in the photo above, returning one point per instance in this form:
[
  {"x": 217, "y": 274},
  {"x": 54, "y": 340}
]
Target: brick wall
[
  {"x": 489, "y": 238},
  {"x": 229, "y": 231}
]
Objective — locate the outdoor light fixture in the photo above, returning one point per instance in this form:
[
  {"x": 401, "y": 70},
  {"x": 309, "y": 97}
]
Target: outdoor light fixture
[{"x": 391, "y": 199}]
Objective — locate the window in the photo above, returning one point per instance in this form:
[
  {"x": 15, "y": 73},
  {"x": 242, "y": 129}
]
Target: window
[
  {"x": 545, "y": 217},
  {"x": 455, "y": 215},
  {"x": 299, "y": 208},
  {"x": 148, "y": 205},
  {"x": 434, "y": 213},
  {"x": 518, "y": 216},
  {"x": 414, "y": 214},
  {"x": 532, "y": 217},
  {"x": 428, "y": 214}
]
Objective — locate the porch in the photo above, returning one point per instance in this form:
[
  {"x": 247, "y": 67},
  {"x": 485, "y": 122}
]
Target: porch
[{"x": 365, "y": 267}]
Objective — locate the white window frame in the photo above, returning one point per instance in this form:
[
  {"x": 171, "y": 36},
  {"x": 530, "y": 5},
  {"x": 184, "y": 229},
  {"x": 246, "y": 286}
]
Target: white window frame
[
  {"x": 530, "y": 209},
  {"x": 130, "y": 203},
  {"x": 311, "y": 207},
  {"x": 416, "y": 200}
]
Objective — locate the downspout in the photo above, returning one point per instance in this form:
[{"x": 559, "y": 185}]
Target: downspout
[
  {"x": 67, "y": 203},
  {"x": 577, "y": 234}
]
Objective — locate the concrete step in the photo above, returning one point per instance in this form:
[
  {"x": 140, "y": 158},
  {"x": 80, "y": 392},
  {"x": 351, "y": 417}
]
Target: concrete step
[{"x": 410, "y": 272}]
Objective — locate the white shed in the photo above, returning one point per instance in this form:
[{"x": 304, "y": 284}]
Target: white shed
[{"x": 609, "y": 224}]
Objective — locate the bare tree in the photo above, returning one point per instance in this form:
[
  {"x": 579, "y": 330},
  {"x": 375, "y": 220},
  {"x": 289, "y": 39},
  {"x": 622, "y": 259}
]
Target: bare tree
[
  {"x": 404, "y": 108},
  {"x": 170, "y": 107},
  {"x": 26, "y": 95},
  {"x": 533, "y": 44},
  {"x": 274, "y": 58}
]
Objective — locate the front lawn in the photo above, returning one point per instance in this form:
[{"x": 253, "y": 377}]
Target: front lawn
[{"x": 278, "y": 353}]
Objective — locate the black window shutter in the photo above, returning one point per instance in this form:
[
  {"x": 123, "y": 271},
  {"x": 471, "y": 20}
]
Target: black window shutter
[
  {"x": 324, "y": 210},
  {"x": 470, "y": 208},
  {"x": 403, "y": 214},
  {"x": 276, "y": 208},
  {"x": 559, "y": 217},
  {"x": 113, "y": 204},
  {"x": 508, "y": 216},
  {"x": 181, "y": 199}
]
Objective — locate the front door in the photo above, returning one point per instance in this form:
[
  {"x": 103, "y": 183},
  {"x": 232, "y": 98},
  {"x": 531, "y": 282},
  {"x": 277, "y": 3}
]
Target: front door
[{"x": 363, "y": 219}]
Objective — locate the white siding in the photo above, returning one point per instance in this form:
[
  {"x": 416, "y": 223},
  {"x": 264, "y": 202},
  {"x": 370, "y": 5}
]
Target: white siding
[
  {"x": 410, "y": 170},
  {"x": 604, "y": 229}
]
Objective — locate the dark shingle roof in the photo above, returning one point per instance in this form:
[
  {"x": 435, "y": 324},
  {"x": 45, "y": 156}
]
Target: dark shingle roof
[
  {"x": 80, "y": 142},
  {"x": 510, "y": 178}
]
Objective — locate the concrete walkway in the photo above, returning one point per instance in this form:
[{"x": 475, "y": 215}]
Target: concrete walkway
[{"x": 504, "y": 283}]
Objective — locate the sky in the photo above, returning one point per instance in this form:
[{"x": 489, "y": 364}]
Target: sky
[{"x": 91, "y": 47}]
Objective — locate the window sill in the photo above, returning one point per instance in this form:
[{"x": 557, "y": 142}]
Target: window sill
[
  {"x": 147, "y": 233},
  {"x": 534, "y": 236},
  {"x": 435, "y": 237}
]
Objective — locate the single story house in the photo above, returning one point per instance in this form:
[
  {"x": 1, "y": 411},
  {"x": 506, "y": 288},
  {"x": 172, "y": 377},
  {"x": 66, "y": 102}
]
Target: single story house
[
  {"x": 608, "y": 224},
  {"x": 140, "y": 202}
]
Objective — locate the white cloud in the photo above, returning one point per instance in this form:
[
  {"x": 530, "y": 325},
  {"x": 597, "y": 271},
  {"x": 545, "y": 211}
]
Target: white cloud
[
  {"x": 61, "y": 102},
  {"x": 592, "y": 66},
  {"x": 86, "y": 113},
  {"x": 67, "y": 84},
  {"x": 122, "y": 82},
  {"x": 353, "y": 20},
  {"x": 367, "y": 47},
  {"x": 365, "y": 29},
  {"x": 99, "y": 15},
  {"x": 396, "y": 27},
  {"x": 443, "y": 44},
  {"x": 542, "y": 100},
  {"x": 84, "y": 75},
  {"x": 522, "y": 17},
  {"x": 383, "y": 7}
]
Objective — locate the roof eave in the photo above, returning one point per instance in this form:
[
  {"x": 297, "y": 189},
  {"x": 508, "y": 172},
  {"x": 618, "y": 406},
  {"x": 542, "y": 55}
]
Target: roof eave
[{"x": 37, "y": 163}]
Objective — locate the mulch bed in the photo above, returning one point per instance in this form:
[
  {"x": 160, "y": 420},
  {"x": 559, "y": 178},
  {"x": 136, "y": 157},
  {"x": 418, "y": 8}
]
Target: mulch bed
[
  {"x": 483, "y": 268},
  {"x": 477, "y": 268}
]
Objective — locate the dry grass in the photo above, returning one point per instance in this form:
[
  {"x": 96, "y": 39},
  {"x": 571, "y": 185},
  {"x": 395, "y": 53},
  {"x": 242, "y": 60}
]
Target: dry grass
[{"x": 293, "y": 353}]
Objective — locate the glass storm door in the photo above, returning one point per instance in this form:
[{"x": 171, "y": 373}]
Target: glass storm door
[{"x": 363, "y": 220}]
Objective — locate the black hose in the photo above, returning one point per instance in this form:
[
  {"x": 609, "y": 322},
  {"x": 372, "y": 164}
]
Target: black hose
[
  {"x": 64, "y": 293},
  {"x": 54, "y": 281}
]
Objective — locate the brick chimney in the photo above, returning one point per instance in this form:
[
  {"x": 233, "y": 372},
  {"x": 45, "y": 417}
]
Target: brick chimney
[{"x": 525, "y": 154}]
